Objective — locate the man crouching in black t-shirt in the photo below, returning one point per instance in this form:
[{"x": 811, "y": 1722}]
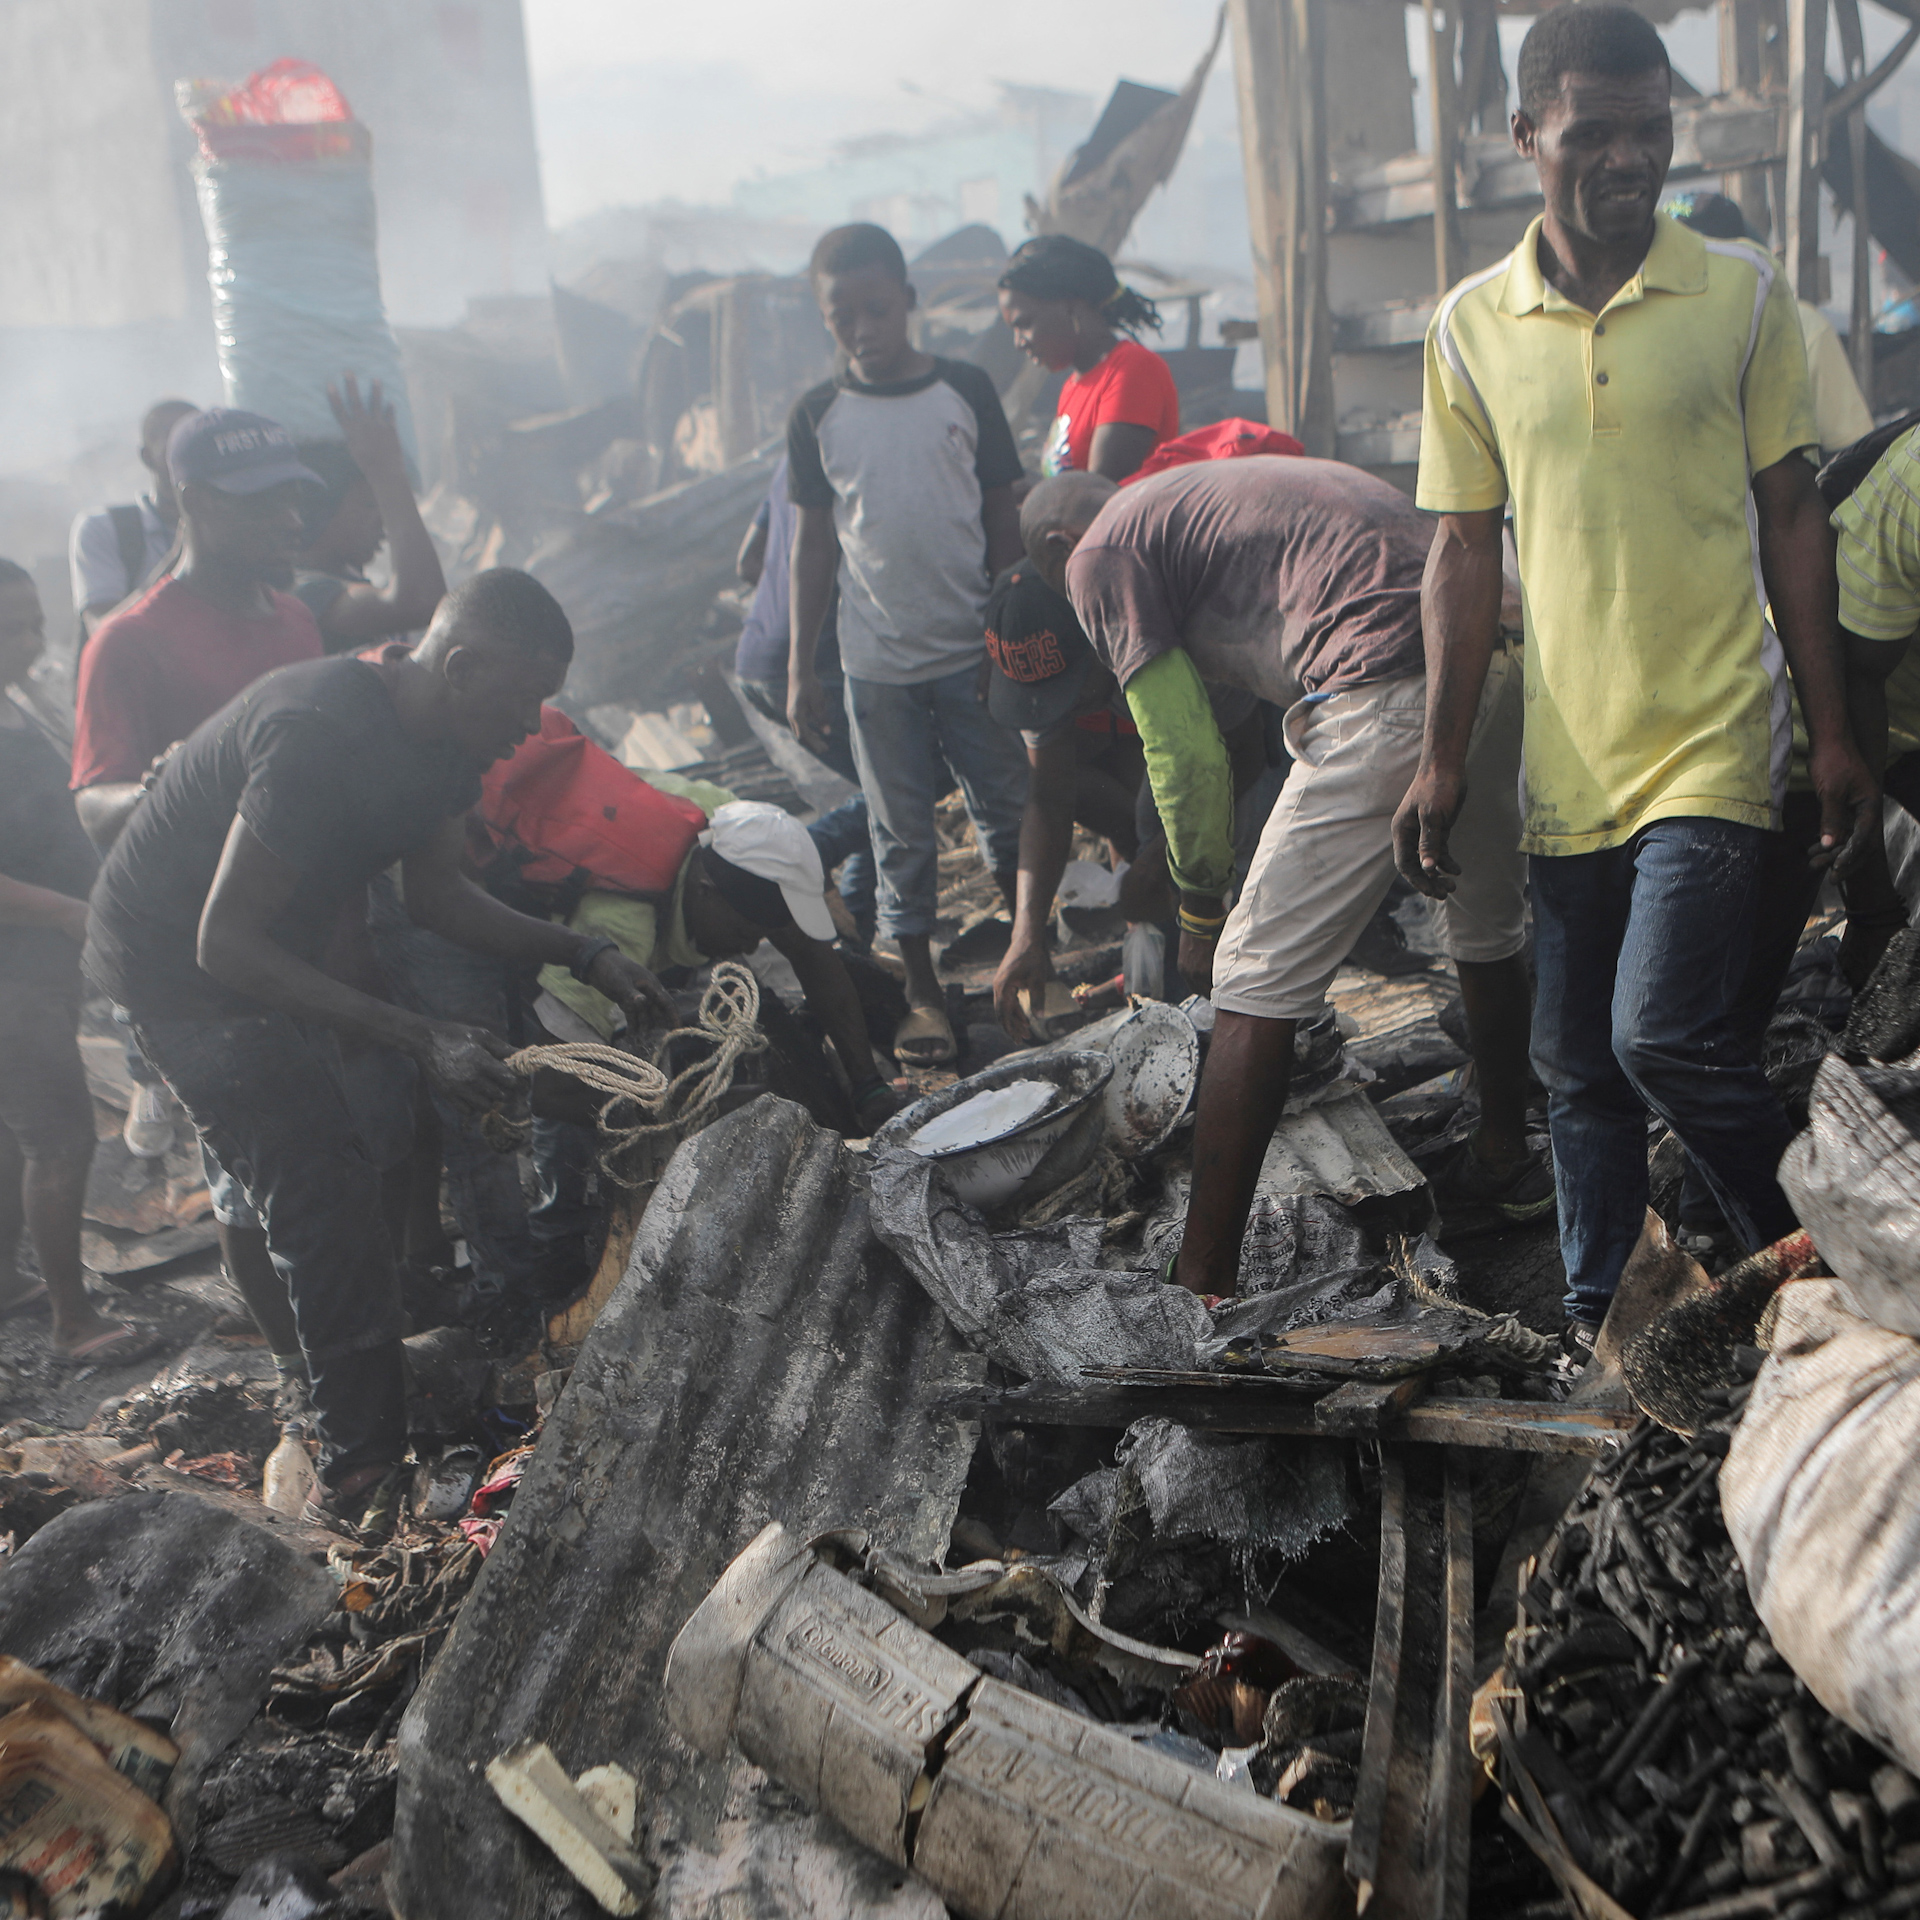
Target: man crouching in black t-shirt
[{"x": 213, "y": 910}]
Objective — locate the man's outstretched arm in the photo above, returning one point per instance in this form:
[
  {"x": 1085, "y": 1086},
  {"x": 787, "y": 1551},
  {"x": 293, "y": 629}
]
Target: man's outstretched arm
[
  {"x": 1046, "y": 843},
  {"x": 1796, "y": 558},
  {"x": 251, "y": 889},
  {"x": 1460, "y": 622},
  {"x": 441, "y": 898}
]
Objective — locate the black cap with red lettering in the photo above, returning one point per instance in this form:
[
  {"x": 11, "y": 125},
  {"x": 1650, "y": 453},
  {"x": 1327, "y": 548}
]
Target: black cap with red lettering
[{"x": 1042, "y": 660}]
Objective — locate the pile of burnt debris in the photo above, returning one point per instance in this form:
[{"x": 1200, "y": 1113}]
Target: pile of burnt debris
[
  {"x": 1655, "y": 1741},
  {"x": 885, "y": 1536}
]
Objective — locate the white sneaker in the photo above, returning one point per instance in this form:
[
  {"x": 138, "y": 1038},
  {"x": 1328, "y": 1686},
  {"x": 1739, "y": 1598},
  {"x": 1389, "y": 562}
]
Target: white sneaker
[{"x": 149, "y": 1129}]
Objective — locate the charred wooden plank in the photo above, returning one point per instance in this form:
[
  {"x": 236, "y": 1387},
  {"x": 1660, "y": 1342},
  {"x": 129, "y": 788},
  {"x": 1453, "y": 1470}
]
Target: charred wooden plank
[
  {"x": 1251, "y": 1403},
  {"x": 1408, "y": 1847},
  {"x": 1365, "y": 1407}
]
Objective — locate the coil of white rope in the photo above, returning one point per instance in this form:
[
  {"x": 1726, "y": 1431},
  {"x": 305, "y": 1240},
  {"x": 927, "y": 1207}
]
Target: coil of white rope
[{"x": 679, "y": 1104}]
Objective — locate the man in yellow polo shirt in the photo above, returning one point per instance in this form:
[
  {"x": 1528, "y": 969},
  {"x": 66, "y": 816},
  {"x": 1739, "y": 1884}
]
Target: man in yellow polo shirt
[{"x": 1639, "y": 394}]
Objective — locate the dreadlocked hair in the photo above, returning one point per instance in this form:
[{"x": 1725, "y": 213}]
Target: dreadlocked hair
[{"x": 1052, "y": 266}]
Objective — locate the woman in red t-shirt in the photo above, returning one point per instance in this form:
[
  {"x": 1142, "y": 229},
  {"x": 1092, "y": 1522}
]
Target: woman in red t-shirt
[{"x": 1068, "y": 311}]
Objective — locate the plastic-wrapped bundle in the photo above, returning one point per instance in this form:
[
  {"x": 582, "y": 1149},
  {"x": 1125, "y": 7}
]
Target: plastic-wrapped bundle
[{"x": 285, "y": 181}]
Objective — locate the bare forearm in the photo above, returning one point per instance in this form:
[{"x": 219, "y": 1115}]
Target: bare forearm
[
  {"x": 22, "y": 904},
  {"x": 105, "y": 810},
  {"x": 1796, "y": 561},
  {"x": 1046, "y": 842},
  {"x": 250, "y": 962},
  {"x": 1000, "y": 518},
  {"x": 418, "y": 585},
  {"x": 835, "y": 1003},
  {"x": 816, "y": 559},
  {"x": 1868, "y": 664},
  {"x": 454, "y": 908},
  {"x": 1460, "y": 618},
  {"x": 1867, "y": 716}
]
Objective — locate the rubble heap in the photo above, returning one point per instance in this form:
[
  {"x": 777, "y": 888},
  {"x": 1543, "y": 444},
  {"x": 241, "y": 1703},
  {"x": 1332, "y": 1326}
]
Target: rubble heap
[{"x": 1657, "y": 1741}]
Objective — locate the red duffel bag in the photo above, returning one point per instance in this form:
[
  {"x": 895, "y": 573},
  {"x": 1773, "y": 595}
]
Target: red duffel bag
[{"x": 559, "y": 807}]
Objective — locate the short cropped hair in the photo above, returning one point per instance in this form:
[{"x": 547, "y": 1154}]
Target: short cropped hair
[
  {"x": 161, "y": 413},
  {"x": 1588, "y": 36},
  {"x": 1067, "y": 503},
  {"x": 511, "y": 607},
  {"x": 848, "y": 249}
]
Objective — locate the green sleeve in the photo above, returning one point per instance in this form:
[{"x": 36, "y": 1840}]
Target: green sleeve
[{"x": 1189, "y": 771}]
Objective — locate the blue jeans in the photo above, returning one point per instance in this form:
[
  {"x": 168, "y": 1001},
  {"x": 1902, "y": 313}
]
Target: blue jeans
[
  {"x": 900, "y": 737},
  {"x": 512, "y": 1248},
  {"x": 1640, "y": 952},
  {"x": 379, "y": 1086},
  {"x": 842, "y": 837},
  {"x": 268, "y": 1098}
]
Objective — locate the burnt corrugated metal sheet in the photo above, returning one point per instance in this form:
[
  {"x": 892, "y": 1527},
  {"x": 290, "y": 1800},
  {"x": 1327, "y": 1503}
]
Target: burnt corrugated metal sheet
[{"x": 763, "y": 1359}]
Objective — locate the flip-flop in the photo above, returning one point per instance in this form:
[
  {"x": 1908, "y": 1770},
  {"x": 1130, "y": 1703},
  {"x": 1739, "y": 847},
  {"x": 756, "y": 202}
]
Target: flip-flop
[
  {"x": 104, "y": 1349},
  {"x": 925, "y": 1038},
  {"x": 32, "y": 1300}
]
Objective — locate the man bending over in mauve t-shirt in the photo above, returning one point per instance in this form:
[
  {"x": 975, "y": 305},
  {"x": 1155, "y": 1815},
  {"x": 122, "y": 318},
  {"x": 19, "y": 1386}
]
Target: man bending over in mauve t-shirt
[{"x": 212, "y": 913}]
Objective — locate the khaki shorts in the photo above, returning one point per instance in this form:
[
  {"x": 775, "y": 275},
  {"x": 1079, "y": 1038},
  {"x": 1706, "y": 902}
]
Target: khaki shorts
[{"x": 1325, "y": 861}]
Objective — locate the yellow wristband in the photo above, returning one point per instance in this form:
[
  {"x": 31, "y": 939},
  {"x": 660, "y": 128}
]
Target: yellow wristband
[{"x": 1201, "y": 929}]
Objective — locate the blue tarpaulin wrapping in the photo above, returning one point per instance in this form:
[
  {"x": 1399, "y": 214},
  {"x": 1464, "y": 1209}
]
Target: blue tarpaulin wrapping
[{"x": 295, "y": 273}]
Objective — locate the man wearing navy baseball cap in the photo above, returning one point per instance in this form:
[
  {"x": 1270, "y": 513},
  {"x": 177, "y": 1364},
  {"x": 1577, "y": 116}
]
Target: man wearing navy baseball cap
[{"x": 194, "y": 639}]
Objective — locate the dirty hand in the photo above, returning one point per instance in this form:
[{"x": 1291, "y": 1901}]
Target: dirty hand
[
  {"x": 1849, "y": 806},
  {"x": 635, "y": 991},
  {"x": 1420, "y": 832},
  {"x": 807, "y": 712},
  {"x": 470, "y": 1065},
  {"x": 367, "y": 425},
  {"x": 1026, "y": 965}
]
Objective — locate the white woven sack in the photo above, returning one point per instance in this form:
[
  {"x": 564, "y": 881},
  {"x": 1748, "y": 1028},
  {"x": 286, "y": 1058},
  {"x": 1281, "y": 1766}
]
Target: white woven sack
[
  {"x": 1854, "y": 1179},
  {"x": 1818, "y": 1494}
]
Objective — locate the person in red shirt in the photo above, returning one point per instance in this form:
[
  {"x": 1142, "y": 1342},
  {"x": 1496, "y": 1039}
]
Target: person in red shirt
[
  {"x": 166, "y": 661},
  {"x": 1069, "y": 311},
  {"x": 191, "y": 642}
]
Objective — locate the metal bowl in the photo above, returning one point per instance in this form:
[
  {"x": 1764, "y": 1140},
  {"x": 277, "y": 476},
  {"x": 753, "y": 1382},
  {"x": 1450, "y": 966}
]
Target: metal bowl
[{"x": 1022, "y": 1162}]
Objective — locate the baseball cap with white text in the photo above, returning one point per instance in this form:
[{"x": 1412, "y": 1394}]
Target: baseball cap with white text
[{"x": 234, "y": 452}]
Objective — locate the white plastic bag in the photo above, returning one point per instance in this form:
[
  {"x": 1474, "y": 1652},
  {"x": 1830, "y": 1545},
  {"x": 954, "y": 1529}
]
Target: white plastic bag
[
  {"x": 1854, "y": 1179},
  {"x": 285, "y": 182},
  {"x": 1818, "y": 1494},
  {"x": 1143, "y": 960}
]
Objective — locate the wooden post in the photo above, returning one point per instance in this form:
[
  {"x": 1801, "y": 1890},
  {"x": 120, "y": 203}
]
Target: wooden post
[
  {"x": 1740, "y": 73},
  {"x": 1806, "y": 113},
  {"x": 1853, "y": 46},
  {"x": 1482, "y": 98},
  {"x": 736, "y": 314},
  {"x": 1773, "y": 85},
  {"x": 1278, "y": 70},
  {"x": 1449, "y": 254}
]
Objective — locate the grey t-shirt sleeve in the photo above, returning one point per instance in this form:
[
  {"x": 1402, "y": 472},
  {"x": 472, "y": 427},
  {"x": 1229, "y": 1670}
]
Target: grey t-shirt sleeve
[
  {"x": 807, "y": 482},
  {"x": 996, "y": 460},
  {"x": 99, "y": 580}
]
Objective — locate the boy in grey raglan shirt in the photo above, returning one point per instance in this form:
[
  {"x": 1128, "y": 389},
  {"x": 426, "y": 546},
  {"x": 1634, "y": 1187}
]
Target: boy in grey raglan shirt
[{"x": 902, "y": 468}]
